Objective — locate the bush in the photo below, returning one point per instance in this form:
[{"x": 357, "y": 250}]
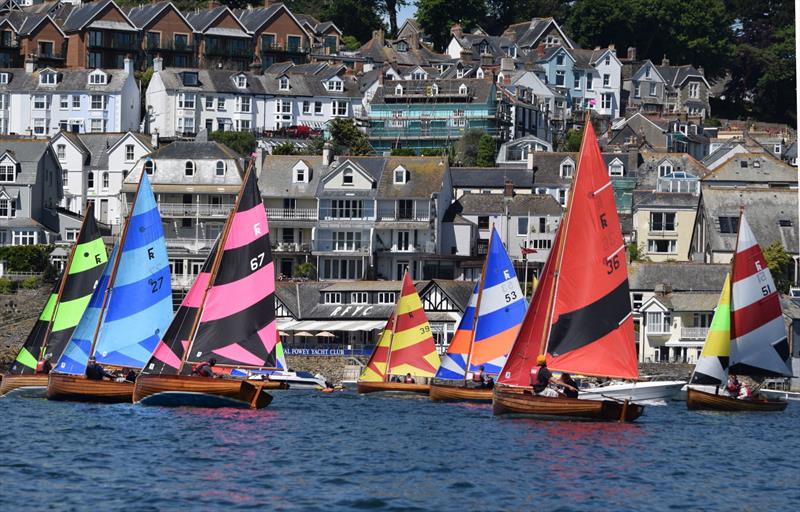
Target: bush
[
  {"x": 29, "y": 283},
  {"x": 573, "y": 142},
  {"x": 5, "y": 285},
  {"x": 486, "y": 151},
  {"x": 243, "y": 143},
  {"x": 434, "y": 152},
  {"x": 26, "y": 258},
  {"x": 466, "y": 151},
  {"x": 403, "y": 152},
  {"x": 346, "y": 137},
  {"x": 287, "y": 148},
  {"x": 305, "y": 270}
]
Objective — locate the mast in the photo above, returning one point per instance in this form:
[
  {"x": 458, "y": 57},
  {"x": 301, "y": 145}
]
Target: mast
[
  {"x": 215, "y": 267},
  {"x": 62, "y": 284},
  {"x": 117, "y": 258},
  {"x": 476, "y": 313}
]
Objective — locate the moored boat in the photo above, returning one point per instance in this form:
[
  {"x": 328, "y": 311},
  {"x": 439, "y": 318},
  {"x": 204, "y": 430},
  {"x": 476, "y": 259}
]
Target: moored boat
[
  {"x": 130, "y": 307},
  {"x": 405, "y": 350},
  {"x": 580, "y": 319},
  {"x": 227, "y": 316},
  {"x": 486, "y": 332},
  {"x": 61, "y": 313}
]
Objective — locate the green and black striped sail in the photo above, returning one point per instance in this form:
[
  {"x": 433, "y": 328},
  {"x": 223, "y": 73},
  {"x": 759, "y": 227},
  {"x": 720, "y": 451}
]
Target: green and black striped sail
[{"x": 68, "y": 300}]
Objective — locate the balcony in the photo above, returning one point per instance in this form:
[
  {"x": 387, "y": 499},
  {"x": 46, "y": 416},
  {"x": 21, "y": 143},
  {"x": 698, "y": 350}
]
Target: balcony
[
  {"x": 227, "y": 50},
  {"x": 334, "y": 247},
  {"x": 694, "y": 333},
  {"x": 292, "y": 213},
  {"x": 113, "y": 41},
  {"x": 9, "y": 44},
  {"x": 170, "y": 46},
  {"x": 194, "y": 210},
  {"x": 285, "y": 48},
  {"x": 404, "y": 217},
  {"x": 190, "y": 244},
  {"x": 286, "y": 247}
]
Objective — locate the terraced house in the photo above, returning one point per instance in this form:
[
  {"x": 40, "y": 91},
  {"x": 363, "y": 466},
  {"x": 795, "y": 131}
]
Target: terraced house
[
  {"x": 31, "y": 34},
  {"x": 99, "y": 35},
  {"x": 278, "y": 35},
  {"x": 666, "y": 89},
  {"x": 164, "y": 32}
]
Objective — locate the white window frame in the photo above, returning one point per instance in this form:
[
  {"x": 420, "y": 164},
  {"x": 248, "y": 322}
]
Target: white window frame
[
  {"x": 332, "y": 298},
  {"x": 339, "y": 108},
  {"x": 359, "y": 298},
  {"x": 93, "y": 103},
  {"x": 220, "y": 165},
  {"x": 283, "y": 83},
  {"x": 186, "y": 101},
  {"x": 130, "y": 154},
  {"x": 387, "y": 297}
]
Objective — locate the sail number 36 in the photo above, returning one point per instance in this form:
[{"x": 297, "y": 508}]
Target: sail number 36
[{"x": 612, "y": 263}]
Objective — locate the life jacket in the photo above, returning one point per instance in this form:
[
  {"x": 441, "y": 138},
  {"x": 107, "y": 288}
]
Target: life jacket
[
  {"x": 535, "y": 375},
  {"x": 200, "y": 366},
  {"x": 408, "y": 380},
  {"x": 40, "y": 366},
  {"x": 477, "y": 376}
]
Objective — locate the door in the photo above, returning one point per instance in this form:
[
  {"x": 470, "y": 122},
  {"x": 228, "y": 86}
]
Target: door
[
  {"x": 401, "y": 269},
  {"x": 286, "y": 267},
  {"x": 103, "y": 211}
]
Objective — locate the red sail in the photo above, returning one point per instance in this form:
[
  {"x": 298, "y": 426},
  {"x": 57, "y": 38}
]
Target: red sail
[
  {"x": 517, "y": 370},
  {"x": 591, "y": 322}
]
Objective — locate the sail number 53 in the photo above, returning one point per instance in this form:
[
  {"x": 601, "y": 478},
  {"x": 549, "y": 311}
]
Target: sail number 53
[{"x": 257, "y": 261}]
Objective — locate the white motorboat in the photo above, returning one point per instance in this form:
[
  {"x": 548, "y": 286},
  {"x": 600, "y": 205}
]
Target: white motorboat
[
  {"x": 299, "y": 380},
  {"x": 656, "y": 392}
]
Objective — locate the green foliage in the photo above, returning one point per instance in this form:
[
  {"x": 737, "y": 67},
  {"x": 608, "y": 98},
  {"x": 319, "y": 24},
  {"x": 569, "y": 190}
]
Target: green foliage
[
  {"x": 713, "y": 122},
  {"x": 347, "y": 139},
  {"x": 434, "y": 152},
  {"x": 143, "y": 79},
  {"x": 287, "y": 148},
  {"x": 6, "y": 286},
  {"x": 779, "y": 261},
  {"x": 636, "y": 252},
  {"x": 243, "y": 143},
  {"x": 350, "y": 43},
  {"x": 486, "y": 151},
  {"x": 26, "y": 258},
  {"x": 305, "y": 270},
  {"x": 437, "y": 16},
  {"x": 573, "y": 142},
  {"x": 466, "y": 148},
  {"x": 403, "y": 152},
  {"x": 29, "y": 283},
  {"x": 357, "y": 18}
]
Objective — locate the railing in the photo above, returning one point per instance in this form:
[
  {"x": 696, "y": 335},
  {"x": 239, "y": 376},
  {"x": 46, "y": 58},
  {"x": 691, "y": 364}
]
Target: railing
[
  {"x": 341, "y": 246},
  {"x": 418, "y": 132},
  {"x": 50, "y": 55},
  {"x": 288, "y": 48},
  {"x": 227, "y": 51},
  {"x": 110, "y": 42},
  {"x": 425, "y": 247},
  {"x": 694, "y": 333},
  {"x": 292, "y": 213},
  {"x": 6, "y": 43},
  {"x": 168, "y": 45},
  {"x": 189, "y": 242},
  {"x": 659, "y": 329},
  {"x": 194, "y": 209},
  {"x": 290, "y": 247},
  {"x": 392, "y": 217}
]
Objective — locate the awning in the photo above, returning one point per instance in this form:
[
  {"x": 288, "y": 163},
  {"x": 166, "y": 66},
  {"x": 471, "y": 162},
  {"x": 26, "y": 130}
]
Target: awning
[{"x": 292, "y": 326}]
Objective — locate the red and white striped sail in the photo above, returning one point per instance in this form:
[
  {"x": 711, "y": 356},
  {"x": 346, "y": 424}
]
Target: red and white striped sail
[{"x": 759, "y": 345}]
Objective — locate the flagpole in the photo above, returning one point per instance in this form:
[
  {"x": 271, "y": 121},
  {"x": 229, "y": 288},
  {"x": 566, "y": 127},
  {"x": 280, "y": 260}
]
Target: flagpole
[{"x": 525, "y": 253}]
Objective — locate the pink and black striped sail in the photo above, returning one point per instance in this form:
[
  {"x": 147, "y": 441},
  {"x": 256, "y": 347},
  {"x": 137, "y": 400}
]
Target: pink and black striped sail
[
  {"x": 237, "y": 322},
  {"x": 167, "y": 357}
]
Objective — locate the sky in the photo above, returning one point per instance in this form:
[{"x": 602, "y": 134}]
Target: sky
[{"x": 404, "y": 13}]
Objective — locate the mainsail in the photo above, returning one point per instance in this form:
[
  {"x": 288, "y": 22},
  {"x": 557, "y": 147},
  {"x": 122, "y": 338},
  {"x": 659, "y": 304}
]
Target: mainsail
[
  {"x": 759, "y": 345},
  {"x": 67, "y": 301},
  {"x": 491, "y": 321},
  {"x": 136, "y": 305},
  {"x": 411, "y": 347},
  {"x": 580, "y": 315},
  {"x": 712, "y": 366}
]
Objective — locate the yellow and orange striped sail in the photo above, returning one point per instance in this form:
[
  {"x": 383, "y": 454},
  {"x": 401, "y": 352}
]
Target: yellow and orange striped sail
[
  {"x": 407, "y": 341},
  {"x": 376, "y": 367}
]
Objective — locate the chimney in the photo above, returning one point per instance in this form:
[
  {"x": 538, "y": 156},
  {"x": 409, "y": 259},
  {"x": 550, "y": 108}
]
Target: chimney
[
  {"x": 665, "y": 60},
  {"x": 466, "y": 54},
  {"x": 267, "y": 3},
  {"x": 530, "y": 159},
  {"x": 202, "y": 135},
  {"x": 128, "y": 64},
  {"x": 154, "y": 138},
  {"x": 486, "y": 59},
  {"x": 30, "y": 64},
  {"x": 508, "y": 191},
  {"x": 701, "y": 70},
  {"x": 158, "y": 64},
  {"x": 259, "y": 160},
  {"x": 631, "y": 53},
  {"x": 540, "y": 50},
  {"x": 457, "y": 31},
  {"x": 327, "y": 154},
  {"x": 613, "y": 48},
  {"x": 212, "y": 4},
  {"x": 413, "y": 40},
  {"x": 378, "y": 36},
  {"x": 507, "y": 65}
]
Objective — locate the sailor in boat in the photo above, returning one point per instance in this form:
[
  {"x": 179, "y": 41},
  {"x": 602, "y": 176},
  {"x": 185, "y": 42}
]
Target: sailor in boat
[
  {"x": 44, "y": 366},
  {"x": 734, "y": 387},
  {"x": 569, "y": 385},
  {"x": 130, "y": 376},
  {"x": 409, "y": 379},
  {"x": 489, "y": 382},
  {"x": 96, "y": 372},
  {"x": 205, "y": 369},
  {"x": 541, "y": 377},
  {"x": 478, "y": 378}
]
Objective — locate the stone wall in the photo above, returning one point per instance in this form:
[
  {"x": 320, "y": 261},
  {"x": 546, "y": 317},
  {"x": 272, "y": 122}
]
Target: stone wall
[
  {"x": 18, "y": 313},
  {"x": 331, "y": 367}
]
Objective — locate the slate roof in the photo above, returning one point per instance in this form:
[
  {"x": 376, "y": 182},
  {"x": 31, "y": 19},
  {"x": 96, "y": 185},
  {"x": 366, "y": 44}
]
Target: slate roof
[
  {"x": 69, "y": 80},
  {"x": 694, "y": 301},
  {"x": 526, "y": 34},
  {"x": 769, "y": 170},
  {"x": 676, "y": 75},
  {"x": 27, "y": 153},
  {"x": 647, "y": 173},
  {"x": 387, "y": 52},
  {"x": 681, "y": 276},
  {"x": 25, "y": 22},
  {"x": 652, "y": 199},
  {"x": 212, "y": 80},
  {"x": 95, "y": 146},
  {"x": 480, "y": 90},
  {"x": 276, "y": 174},
  {"x": 497, "y": 45},
  {"x": 202, "y": 19},
  {"x": 144, "y": 14},
  {"x": 586, "y": 59},
  {"x": 254, "y": 19},
  {"x": 791, "y": 151},
  {"x": 309, "y": 80},
  {"x": 494, "y": 204},
  {"x": 764, "y": 207},
  {"x": 426, "y": 177},
  {"x": 83, "y": 14},
  {"x": 490, "y": 177}
]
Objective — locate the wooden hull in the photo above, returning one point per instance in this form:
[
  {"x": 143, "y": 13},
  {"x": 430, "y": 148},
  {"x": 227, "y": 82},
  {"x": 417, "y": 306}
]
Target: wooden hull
[
  {"x": 28, "y": 385},
  {"x": 77, "y": 388},
  {"x": 394, "y": 387},
  {"x": 442, "y": 393},
  {"x": 525, "y": 404},
  {"x": 700, "y": 400},
  {"x": 187, "y": 390}
]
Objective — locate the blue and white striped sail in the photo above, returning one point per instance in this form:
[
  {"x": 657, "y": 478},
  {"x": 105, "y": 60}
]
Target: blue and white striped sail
[
  {"x": 76, "y": 354},
  {"x": 454, "y": 362},
  {"x": 500, "y": 312},
  {"x": 139, "y": 307}
]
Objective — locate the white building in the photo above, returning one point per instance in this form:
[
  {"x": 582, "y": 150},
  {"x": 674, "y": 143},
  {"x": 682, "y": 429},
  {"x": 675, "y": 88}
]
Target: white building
[{"x": 44, "y": 101}]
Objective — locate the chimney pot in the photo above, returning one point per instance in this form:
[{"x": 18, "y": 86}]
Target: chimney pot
[
  {"x": 665, "y": 61},
  {"x": 631, "y": 53},
  {"x": 540, "y": 50},
  {"x": 509, "y": 189},
  {"x": 457, "y": 31}
]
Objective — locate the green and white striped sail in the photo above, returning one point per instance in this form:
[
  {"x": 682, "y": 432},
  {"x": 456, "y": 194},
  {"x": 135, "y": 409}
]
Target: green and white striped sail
[
  {"x": 712, "y": 366},
  {"x": 67, "y": 301}
]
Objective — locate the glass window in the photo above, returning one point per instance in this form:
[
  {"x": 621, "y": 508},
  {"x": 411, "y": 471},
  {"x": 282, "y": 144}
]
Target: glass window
[
  {"x": 90, "y": 180},
  {"x": 662, "y": 221},
  {"x": 188, "y": 169},
  {"x": 483, "y": 222},
  {"x": 589, "y": 81},
  {"x": 181, "y": 41},
  {"x": 359, "y": 298},
  {"x": 522, "y": 226},
  {"x": 129, "y": 154},
  {"x": 347, "y": 177},
  {"x": 332, "y": 298},
  {"x": 386, "y": 297},
  {"x": 106, "y": 180},
  {"x": 306, "y": 107},
  {"x": 220, "y": 168},
  {"x": 98, "y": 102},
  {"x": 61, "y": 151},
  {"x": 606, "y": 80},
  {"x": 560, "y": 77},
  {"x": 293, "y": 43},
  {"x": 317, "y": 107},
  {"x": 339, "y": 108}
]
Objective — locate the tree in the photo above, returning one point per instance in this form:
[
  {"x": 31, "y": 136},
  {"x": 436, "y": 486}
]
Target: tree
[
  {"x": 779, "y": 261},
  {"x": 390, "y": 8},
  {"x": 466, "y": 148},
  {"x": 357, "y": 18},
  {"x": 287, "y": 148},
  {"x": 305, "y": 270},
  {"x": 502, "y": 13},
  {"x": 346, "y": 138},
  {"x": 350, "y": 43},
  {"x": 243, "y": 143},
  {"x": 26, "y": 258},
  {"x": 436, "y": 17},
  {"x": 403, "y": 152},
  {"x": 486, "y": 151},
  {"x": 573, "y": 142}
]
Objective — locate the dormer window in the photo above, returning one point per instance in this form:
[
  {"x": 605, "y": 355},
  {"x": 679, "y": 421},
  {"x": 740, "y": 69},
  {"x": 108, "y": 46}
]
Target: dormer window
[
  {"x": 190, "y": 78},
  {"x": 283, "y": 83},
  {"x": 48, "y": 78},
  {"x": 607, "y": 61},
  {"x": 402, "y": 46},
  {"x": 459, "y": 72},
  {"x": 335, "y": 85},
  {"x": 483, "y": 48},
  {"x": 241, "y": 81},
  {"x": 149, "y": 167},
  {"x": 347, "y": 177},
  {"x": 98, "y": 78},
  {"x": 560, "y": 59},
  {"x": 616, "y": 168},
  {"x": 664, "y": 169},
  {"x": 462, "y": 89},
  {"x": 3, "y": 78},
  {"x": 220, "y": 168},
  {"x": 301, "y": 173},
  {"x": 647, "y": 72},
  {"x": 398, "y": 90},
  {"x": 400, "y": 176},
  {"x": 479, "y": 73},
  {"x": 567, "y": 168},
  {"x": 7, "y": 171},
  {"x": 188, "y": 169}
]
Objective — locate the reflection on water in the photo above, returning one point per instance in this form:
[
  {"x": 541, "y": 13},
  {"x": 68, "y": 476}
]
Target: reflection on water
[{"x": 310, "y": 451}]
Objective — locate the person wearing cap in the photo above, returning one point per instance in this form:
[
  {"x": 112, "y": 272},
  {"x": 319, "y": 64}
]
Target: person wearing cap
[
  {"x": 96, "y": 372},
  {"x": 541, "y": 378},
  {"x": 205, "y": 369}
]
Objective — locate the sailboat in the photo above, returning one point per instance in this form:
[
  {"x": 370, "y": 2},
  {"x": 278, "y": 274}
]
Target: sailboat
[
  {"x": 747, "y": 334},
  {"x": 61, "y": 312},
  {"x": 487, "y": 330},
  {"x": 129, "y": 310},
  {"x": 580, "y": 316},
  {"x": 228, "y": 315},
  {"x": 405, "y": 346}
]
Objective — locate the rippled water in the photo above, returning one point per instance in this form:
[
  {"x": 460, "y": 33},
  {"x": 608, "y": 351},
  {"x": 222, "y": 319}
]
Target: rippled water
[{"x": 310, "y": 451}]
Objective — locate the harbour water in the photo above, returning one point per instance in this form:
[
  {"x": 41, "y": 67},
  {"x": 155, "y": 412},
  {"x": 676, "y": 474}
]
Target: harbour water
[{"x": 311, "y": 451}]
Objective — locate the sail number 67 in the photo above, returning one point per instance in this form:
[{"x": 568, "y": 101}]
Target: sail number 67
[{"x": 257, "y": 261}]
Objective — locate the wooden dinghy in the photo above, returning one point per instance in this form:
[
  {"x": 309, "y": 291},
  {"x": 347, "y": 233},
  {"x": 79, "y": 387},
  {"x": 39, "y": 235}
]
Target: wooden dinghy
[
  {"x": 444, "y": 393},
  {"x": 186, "y": 390},
  {"x": 524, "y": 404},
  {"x": 395, "y": 387},
  {"x": 28, "y": 385},
  {"x": 700, "y": 400},
  {"x": 77, "y": 388}
]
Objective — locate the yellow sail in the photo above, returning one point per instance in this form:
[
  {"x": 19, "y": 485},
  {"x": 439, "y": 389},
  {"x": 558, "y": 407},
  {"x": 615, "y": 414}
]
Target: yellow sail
[{"x": 712, "y": 366}]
